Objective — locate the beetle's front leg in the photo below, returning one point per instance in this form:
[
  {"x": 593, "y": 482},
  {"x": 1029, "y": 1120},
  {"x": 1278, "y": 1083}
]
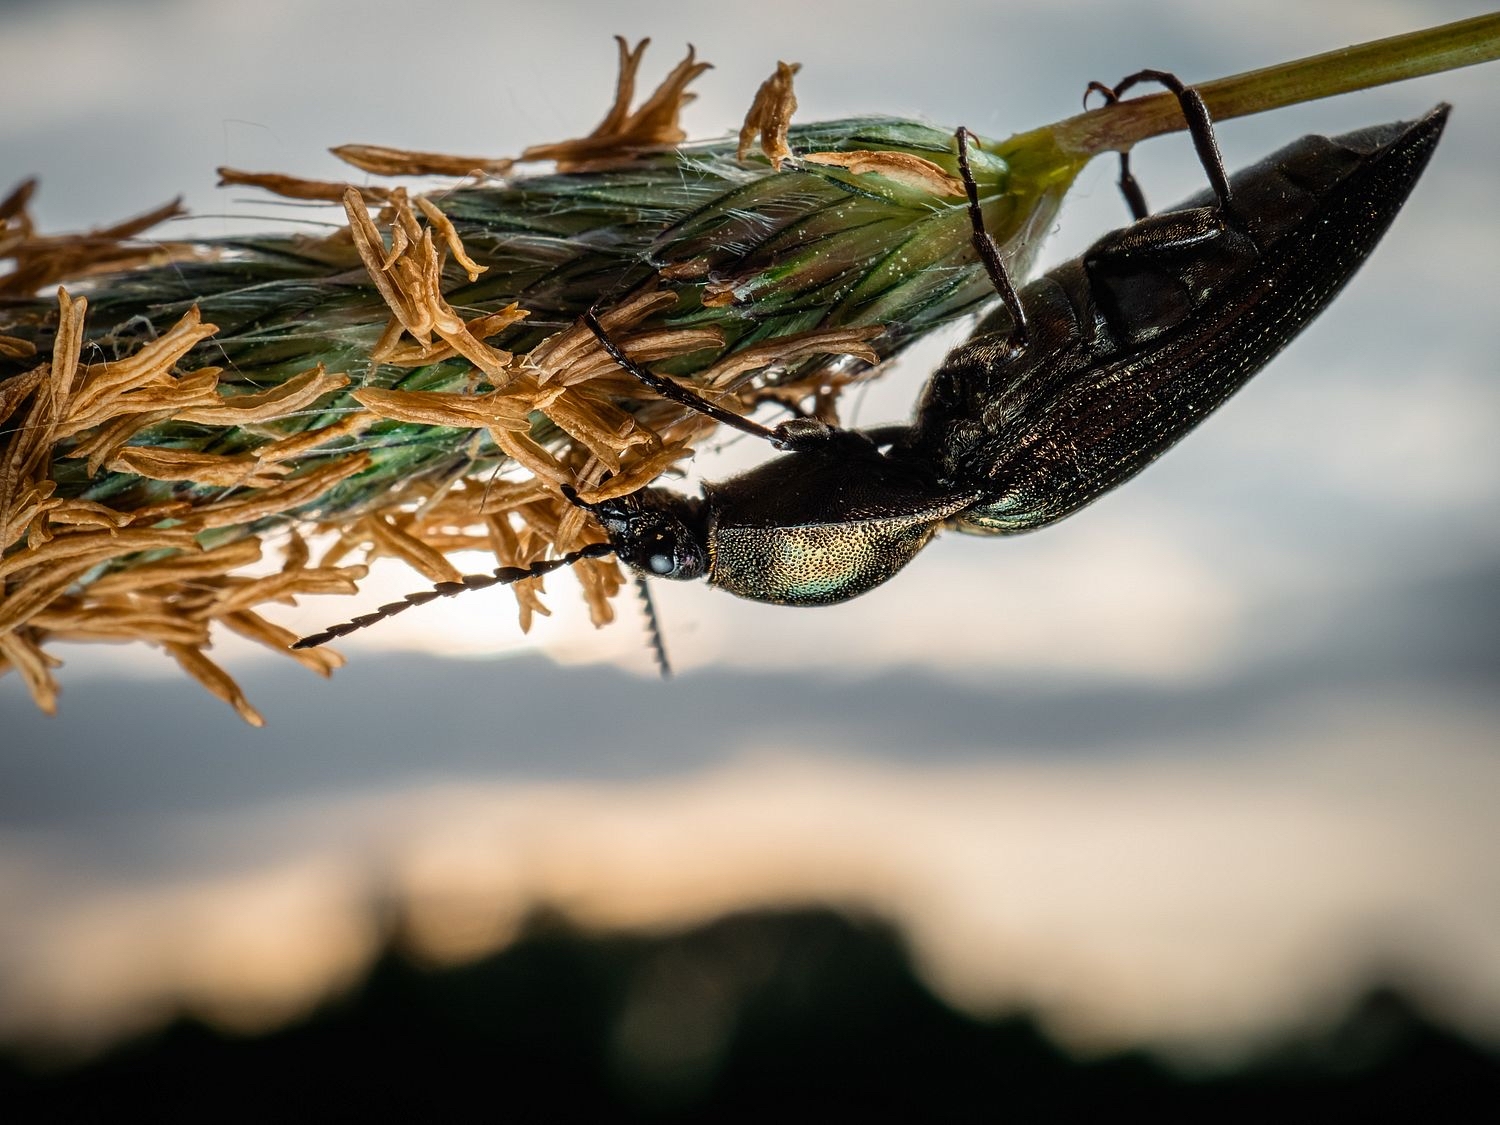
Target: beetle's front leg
[
  {"x": 984, "y": 242},
  {"x": 793, "y": 435}
]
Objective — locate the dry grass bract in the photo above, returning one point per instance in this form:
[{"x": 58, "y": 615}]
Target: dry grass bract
[
  {"x": 904, "y": 168},
  {"x": 654, "y": 124},
  {"x": 43, "y": 260},
  {"x": 770, "y": 116},
  {"x": 383, "y": 161}
]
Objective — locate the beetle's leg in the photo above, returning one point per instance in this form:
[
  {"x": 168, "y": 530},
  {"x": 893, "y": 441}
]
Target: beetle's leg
[
  {"x": 796, "y": 433},
  {"x": 1135, "y": 199},
  {"x": 984, "y": 244},
  {"x": 676, "y": 392},
  {"x": 1200, "y": 128}
]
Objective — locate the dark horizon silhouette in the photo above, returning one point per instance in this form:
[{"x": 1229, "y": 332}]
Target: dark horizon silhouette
[{"x": 794, "y": 1015}]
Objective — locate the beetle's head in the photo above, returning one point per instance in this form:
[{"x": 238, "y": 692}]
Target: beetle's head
[{"x": 658, "y": 533}]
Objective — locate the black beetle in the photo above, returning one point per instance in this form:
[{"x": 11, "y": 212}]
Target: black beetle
[{"x": 1076, "y": 383}]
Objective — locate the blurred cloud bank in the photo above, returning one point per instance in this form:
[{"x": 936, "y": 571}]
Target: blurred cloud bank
[{"x": 1193, "y": 872}]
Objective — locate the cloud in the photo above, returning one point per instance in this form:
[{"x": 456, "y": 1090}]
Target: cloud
[{"x": 1190, "y": 896}]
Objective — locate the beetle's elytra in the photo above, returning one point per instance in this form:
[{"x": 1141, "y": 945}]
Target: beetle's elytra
[{"x": 1076, "y": 383}]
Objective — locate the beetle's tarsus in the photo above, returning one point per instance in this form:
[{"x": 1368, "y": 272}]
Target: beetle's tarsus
[{"x": 1130, "y": 188}]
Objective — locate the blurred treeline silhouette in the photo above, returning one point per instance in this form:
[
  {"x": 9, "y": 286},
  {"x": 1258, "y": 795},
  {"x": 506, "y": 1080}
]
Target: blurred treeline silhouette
[{"x": 785, "y": 1016}]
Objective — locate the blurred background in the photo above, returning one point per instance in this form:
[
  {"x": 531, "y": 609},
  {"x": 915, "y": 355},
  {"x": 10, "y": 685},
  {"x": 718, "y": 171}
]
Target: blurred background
[{"x": 1189, "y": 774}]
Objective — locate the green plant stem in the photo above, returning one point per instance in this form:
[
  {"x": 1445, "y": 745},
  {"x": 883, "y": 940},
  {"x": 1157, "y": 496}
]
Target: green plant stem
[{"x": 1360, "y": 67}]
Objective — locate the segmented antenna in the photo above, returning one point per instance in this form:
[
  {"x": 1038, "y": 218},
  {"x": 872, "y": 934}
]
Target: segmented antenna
[
  {"x": 653, "y": 627},
  {"x": 500, "y": 576}
]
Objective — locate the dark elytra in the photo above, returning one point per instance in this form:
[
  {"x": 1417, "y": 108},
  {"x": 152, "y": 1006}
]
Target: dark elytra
[{"x": 1081, "y": 379}]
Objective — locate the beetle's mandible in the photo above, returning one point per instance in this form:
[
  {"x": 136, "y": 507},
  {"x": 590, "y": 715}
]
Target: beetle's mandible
[{"x": 1077, "y": 382}]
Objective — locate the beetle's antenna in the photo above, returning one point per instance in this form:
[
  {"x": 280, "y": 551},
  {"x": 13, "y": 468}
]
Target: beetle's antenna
[
  {"x": 501, "y": 575},
  {"x": 1135, "y": 199},
  {"x": 984, "y": 242},
  {"x": 653, "y": 627},
  {"x": 676, "y": 392},
  {"x": 1200, "y": 127}
]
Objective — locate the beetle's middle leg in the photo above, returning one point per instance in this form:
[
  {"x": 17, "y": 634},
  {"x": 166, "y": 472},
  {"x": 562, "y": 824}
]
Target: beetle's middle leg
[{"x": 1200, "y": 127}]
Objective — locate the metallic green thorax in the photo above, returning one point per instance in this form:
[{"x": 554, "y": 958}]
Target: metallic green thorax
[{"x": 822, "y": 526}]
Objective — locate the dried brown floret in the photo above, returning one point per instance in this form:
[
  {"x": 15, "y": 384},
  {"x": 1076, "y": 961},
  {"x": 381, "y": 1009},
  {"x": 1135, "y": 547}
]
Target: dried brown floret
[
  {"x": 444, "y": 226},
  {"x": 255, "y": 627},
  {"x": 409, "y": 277},
  {"x": 30, "y": 446},
  {"x": 531, "y": 455},
  {"x": 24, "y": 653},
  {"x": 103, "y": 443},
  {"x": 295, "y": 187},
  {"x": 501, "y": 409},
  {"x": 297, "y": 393},
  {"x": 13, "y": 208},
  {"x": 624, "y": 133},
  {"x": 850, "y": 341},
  {"x": 215, "y": 679},
  {"x": 178, "y": 570},
  {"x": 505, "y": 544},
  {"x": 215, "y": 469},
  {"x": 639, "y": 473},
  {"x": 282, "y": 587},
  {"x": 398, "y": 543},
  {"x": 904, "y": 168},
  {"x": 383, "y": 161},
  {"x": 42, "y": 260},
  {"x": 398, "y": 354},
  {"x": 267, "y": 503},
  {"x": 302, "y": 444},
  {"x": 118, "y": 387},
  {"x": 37, "y": 577},
  {"x": 770, "y": 116}
]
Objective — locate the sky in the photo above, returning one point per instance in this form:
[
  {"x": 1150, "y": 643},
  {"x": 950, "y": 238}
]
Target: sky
[{"x": 1191, "y": 765}]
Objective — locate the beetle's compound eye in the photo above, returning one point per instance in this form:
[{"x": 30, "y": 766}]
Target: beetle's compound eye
[
  {"x": 666, "y": 547},
  {"x": 658, "y": 533}
]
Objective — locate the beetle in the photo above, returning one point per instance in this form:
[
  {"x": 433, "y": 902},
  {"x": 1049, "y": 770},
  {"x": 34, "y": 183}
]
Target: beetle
[{"x": 1075, "y": 383}]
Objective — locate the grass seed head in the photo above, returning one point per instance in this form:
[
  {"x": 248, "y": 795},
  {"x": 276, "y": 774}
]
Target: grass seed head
[{"x": 419, "y": 383}]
